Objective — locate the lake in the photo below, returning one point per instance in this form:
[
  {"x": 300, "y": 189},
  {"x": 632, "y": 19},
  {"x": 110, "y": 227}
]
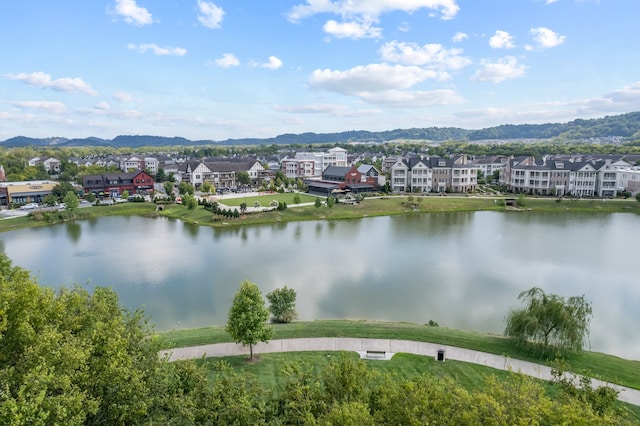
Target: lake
[{"x": 462, "y": 270}]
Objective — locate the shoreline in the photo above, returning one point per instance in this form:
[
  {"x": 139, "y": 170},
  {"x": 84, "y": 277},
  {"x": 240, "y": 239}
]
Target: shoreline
[{"x": 375, "y": 206}]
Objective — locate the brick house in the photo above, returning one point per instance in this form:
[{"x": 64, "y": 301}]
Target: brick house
[{"x": 114, "y": 184}]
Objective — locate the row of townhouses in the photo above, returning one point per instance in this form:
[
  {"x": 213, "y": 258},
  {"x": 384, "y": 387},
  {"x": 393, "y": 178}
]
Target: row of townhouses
[
  {"x": 433, "y": 174},
  {"x": 578, "y": 176},
  {"x": 223, "y": 174}
]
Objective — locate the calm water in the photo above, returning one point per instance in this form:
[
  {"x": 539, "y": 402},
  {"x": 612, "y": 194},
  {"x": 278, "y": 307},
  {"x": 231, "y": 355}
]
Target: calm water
[{"x": 463, "y": 270}]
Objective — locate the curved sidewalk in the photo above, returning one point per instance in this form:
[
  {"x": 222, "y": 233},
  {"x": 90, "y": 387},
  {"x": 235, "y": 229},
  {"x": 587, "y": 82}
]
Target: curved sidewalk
[{"x": 388, "y": 346}]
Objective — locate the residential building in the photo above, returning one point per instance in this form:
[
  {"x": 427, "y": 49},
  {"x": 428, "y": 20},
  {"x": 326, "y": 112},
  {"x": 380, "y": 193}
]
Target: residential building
[
  {"x": 52, "y": 165},
  {"x": 223, "y": 174},
  {"x": 151, "y": 165},
  {"x": 370, "y": 174},
  {"x": 629, "y": 180},
  {"x": 434, "y": 174},
  {"x": 114, "y": 184},
  {"x": 487, "y": 166},
  {"x": 553, "y": 176},
  {"x": 131, "y": 164},
  {"x": 312, "y": 164}
]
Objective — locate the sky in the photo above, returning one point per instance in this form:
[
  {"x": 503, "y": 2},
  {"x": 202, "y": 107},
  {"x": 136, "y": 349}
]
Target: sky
[{"x": 214, "y": 70}]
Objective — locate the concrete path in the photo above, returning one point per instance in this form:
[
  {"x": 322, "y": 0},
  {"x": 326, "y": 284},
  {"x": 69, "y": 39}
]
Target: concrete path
[{"x": 389, "y": 346}]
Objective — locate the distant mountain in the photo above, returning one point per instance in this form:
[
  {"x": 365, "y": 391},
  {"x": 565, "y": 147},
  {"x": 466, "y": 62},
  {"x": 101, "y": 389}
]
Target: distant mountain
[{"x": 625, "y": 126}]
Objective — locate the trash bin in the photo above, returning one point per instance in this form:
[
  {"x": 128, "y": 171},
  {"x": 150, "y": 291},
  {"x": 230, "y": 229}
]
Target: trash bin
[{"x": 440, "y": 355}]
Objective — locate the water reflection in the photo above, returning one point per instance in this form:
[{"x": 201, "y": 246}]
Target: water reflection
[
  {"x": 192, "y": 229},
  {"x": 463, "y": 270},
  {"x": 74, "y": 230}
]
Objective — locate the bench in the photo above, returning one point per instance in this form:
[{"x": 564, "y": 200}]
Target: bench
[{"x": 377, "y": 355}]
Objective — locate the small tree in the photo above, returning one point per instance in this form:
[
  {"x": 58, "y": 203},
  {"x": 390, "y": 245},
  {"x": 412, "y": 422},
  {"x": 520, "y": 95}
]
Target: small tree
[
  {"x": 168, "y": 187},
  {"x": 247, "y": 321},
  {"x": 189, "y": 201},
  {"x": 61, "y": 190},
  {"x": 550, "y": 320},
  {"x": 317, "y": 203},
  {"x": 638, "y": 196},
  {"x": 185, "y": 188},
  {"x": 282, "y": 304},
  {"x": 244, "y": 178},
  {"x": 207, "y": 187},
  {"x": 296, "y": 199},
  {"x": 71, "y": 201},
  {"x": 125, "y": 194},
  {"x": 161, "y": 176}
]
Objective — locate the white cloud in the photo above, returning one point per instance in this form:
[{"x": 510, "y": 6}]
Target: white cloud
[
  {"x": 459, "y": 36},
  {"x": 414, "y": 99},
  {"x": 550, "y": 1},
  {"x": 501, "y": 40},
  {"x": 132, "y": 13},
  {"x": 429, "y": 54},
  {"x": 273, "y": 64},
  {"x": 122, "y": 97},
  {"x": 546, "y": 38},
  {"x": 210, "y": 15},
  {"x": 227, "y": 60},
  {"x": 160, "y": 51},
  {"x": 46, "y": 106},
  {"x": 102, "y": 106},
  {"x": 370, "y": 9},
  {"x": 335, "y": 110},
  {"x": 361, "y": 80},
  {"x": 619, "y": 100},
  {"x": 311, "y": 109},
  {"x": 404, "y": 27},
  {"x": 353, "y": 29},
  {"x": 41, "y": 79},
  {"x": 505, "y": 69}
]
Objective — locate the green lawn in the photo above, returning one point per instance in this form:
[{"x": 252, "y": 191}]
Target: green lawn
[
  {"x": 265, "y": 200},
  {"x": 607, "y": 367},
  {"x": 269, "y": 367}
]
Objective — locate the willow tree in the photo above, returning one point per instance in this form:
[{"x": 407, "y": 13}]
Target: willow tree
[
  {"x": 552, "y": 321},
  {"x": 247, "y": 321}
]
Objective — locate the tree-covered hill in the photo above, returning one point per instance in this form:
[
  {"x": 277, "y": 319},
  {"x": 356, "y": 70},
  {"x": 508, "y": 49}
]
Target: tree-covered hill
[{"x": 621, "y": 126}]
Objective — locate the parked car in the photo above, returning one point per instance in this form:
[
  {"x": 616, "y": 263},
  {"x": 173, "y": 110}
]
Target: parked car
[{"x": 29, "y": 206}]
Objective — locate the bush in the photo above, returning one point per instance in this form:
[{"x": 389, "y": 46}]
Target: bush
[{"x": 282, "y": 304}]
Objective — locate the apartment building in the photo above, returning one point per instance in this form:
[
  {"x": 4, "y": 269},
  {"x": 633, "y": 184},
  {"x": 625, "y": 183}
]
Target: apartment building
[
  {"x": 434, "y": 174},
  {"x": 559, "y": 175},
  {"x": 312, "y": 164}
]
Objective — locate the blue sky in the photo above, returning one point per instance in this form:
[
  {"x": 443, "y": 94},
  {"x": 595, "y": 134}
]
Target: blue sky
[{"x": 234, "y": 68}]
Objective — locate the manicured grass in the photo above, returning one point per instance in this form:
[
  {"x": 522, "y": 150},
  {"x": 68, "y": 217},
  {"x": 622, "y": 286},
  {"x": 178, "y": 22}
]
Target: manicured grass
[
  {"x": 606, "y": 367},
  {"x": 268, "y": 368},
  {"x": 265, "y": 200}
]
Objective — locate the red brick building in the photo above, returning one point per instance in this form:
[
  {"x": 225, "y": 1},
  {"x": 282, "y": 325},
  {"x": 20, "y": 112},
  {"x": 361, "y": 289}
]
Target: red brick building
[{"x": 114, "y": 184}]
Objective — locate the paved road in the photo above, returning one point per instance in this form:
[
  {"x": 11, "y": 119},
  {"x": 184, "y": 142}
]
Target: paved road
[{"x": 389, "y": 347}]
